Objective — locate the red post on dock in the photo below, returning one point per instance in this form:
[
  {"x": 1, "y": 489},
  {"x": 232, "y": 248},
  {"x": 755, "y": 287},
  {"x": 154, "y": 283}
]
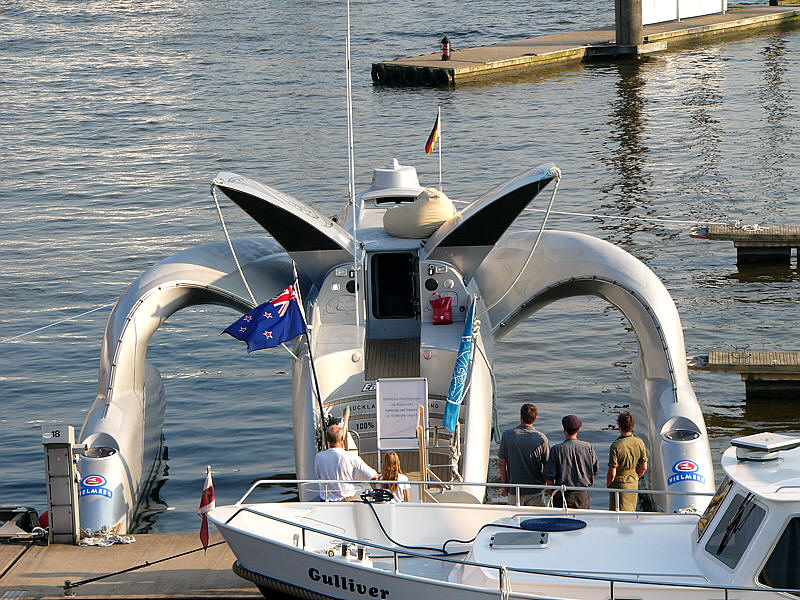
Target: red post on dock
[{"x": 629, "y": 28}]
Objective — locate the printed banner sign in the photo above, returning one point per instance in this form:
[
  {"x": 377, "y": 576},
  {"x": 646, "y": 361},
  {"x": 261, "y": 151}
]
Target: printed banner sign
[{"x": 397, "y": 405}]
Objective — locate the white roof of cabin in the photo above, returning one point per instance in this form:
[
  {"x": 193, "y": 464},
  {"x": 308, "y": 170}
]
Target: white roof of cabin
[{"x": 777, "y": 479}]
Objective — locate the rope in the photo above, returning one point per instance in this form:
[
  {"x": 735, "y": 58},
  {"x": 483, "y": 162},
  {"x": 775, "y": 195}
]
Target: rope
[
  {"x": 56, "y": 323},
  {"x": 68, "y": 585},
  {"x": 533, "y": 249},
  {"x": 622, "y": 218},
  {"x": 505, "y": 583},
  {"x": 230, "y": 244}
]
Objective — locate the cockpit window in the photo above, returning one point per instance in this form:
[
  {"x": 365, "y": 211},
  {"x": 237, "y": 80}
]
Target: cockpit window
[
  {"x": 712, "y": 507},
  {"x": 783, "y": 567},
  {"x": 735, "y": 530},
  {"x": 394, "y": 199}
]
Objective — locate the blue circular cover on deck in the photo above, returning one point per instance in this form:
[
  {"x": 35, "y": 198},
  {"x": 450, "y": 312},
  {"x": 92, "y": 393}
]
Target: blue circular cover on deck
[{"x": 552, "y": 524}]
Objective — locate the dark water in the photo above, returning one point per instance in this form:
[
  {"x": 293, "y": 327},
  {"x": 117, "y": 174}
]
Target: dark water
[{"x": 116, "y": 116}]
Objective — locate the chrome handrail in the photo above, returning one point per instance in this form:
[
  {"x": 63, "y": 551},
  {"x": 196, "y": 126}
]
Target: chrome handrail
[
  {"x": 396, "y": 554},
  {"x": 517, "y": 486}
]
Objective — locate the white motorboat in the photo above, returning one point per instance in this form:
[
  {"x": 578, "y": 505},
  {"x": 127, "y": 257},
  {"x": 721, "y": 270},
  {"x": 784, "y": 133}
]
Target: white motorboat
[
  {"x": 745, "y": 545},
  {"x": 367, "y": 286}
]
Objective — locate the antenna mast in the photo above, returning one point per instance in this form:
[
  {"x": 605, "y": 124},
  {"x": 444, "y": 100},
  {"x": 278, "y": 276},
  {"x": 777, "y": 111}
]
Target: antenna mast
[{"x": 351, "y": 165}]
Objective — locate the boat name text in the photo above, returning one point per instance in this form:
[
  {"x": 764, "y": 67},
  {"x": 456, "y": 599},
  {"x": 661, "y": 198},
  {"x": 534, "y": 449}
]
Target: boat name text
[{"x": 347, "y": 583}]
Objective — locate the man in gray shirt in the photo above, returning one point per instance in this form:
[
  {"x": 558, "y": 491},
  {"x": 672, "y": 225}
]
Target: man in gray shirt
[
  {"x": 573, "y": 462},
  {"x": 522, "y": 456}
]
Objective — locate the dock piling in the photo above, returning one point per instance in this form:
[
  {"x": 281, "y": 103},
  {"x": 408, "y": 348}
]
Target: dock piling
[{"x": 629, "y": 28}]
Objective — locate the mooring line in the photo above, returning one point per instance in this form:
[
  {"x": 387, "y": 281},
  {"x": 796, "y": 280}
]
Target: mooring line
[
  {"x": 56, "y": 323},
  {"x": 68, "y": 585},
  {"x": 616, "y": 217}
]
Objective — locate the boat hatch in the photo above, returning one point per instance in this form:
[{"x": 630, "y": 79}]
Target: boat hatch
[
  {"x": 393, "y": 286},
  {"x": 394, "y": 295},
  {"x": 519, "y": 539},
  {"x": 763, "y": 446}
]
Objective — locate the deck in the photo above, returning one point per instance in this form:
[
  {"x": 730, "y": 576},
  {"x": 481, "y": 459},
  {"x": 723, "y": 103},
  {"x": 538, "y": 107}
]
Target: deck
[{"x": 553, "y": 51}]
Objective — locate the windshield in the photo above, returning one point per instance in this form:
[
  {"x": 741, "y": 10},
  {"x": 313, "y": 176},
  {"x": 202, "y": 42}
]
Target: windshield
[
  {"x": 712, "y": 507},
  {"x": 736, "y": 530}
]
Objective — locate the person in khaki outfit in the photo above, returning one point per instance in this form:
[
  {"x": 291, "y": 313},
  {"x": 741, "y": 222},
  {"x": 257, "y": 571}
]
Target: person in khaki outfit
[{"x": 627, "y": 462}]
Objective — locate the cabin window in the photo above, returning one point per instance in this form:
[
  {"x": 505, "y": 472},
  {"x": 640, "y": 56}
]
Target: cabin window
[
  {"x": 712, "y": 507},
  {"x": 394, "y": 199},
  {"x": 783, "y": 567},
  {"x": 393, "y": 286},
  {"x": 735, "y": 530}
]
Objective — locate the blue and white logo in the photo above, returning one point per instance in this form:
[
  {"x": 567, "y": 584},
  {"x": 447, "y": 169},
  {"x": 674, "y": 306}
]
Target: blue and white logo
[
  {"x": 94, "y": 485},
  {"x": 685, "y": 470}
]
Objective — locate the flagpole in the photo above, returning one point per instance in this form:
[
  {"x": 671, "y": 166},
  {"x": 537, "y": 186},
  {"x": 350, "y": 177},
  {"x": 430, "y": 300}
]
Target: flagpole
[
  {"x": 351, "y": 170},
  {"x": 296, "y": 288},
  {"x": 439, "y": 118}
]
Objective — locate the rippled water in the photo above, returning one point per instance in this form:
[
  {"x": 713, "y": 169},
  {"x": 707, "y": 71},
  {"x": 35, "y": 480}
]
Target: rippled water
[{"x": 116, "y": 116}]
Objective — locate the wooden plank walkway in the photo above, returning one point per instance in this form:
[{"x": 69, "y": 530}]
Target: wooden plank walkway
[
  {"x": 761, "y": 235},
  {"x": 41, "y": 571},
  {"x": 549, "y": 51},
  {"x": 755, "y": 243},
  {"x": 760, "y": 364},
  {"x": 392, "y": 358}
]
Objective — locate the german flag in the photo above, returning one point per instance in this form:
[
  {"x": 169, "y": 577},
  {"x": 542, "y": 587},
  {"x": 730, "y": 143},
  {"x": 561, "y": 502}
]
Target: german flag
[{"x": 433, "y": 136}]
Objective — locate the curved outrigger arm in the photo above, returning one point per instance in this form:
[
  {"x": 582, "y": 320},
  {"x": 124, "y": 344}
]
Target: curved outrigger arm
[
  {"x": 569, "y": 264},
  {"x": 467, "y": 237},
  {"x": 123, "y": 427},
  {"x": 315, "y": 242}
]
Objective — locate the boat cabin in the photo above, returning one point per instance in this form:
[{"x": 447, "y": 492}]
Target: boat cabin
[{"x": 750, "y": 532}]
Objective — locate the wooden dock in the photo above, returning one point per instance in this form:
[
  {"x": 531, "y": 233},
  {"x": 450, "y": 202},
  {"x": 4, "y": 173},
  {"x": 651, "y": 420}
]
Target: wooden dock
[
  {"x": 755, "y": 243},
  {"x": 38, "y": 572},
  {"x": 547, "y": 52},
  {"x": 767, "y": 375}
]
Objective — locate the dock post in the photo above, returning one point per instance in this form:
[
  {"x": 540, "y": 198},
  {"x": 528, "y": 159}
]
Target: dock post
[
  {"x": 62, "y": 488},
  {"x": 628, "y": 15}
]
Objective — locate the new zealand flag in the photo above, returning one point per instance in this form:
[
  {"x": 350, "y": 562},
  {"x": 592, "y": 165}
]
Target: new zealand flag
[{"x": 271, "y": 323}]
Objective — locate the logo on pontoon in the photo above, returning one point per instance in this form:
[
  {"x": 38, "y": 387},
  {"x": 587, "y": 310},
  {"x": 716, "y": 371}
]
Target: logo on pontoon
[
  {"x": 685, "y": 470},
  {"x": 94, "y": 485}
]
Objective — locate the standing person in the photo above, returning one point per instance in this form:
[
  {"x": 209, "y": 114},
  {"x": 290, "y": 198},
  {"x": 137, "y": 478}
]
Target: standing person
[
  {"x": 392, "y": 472},
  {"x": 337, "y": 463},
  {"x": 573, "y": 462},
  {"x": 522, "y": 456},
  {"x": 627, "y": 462}
]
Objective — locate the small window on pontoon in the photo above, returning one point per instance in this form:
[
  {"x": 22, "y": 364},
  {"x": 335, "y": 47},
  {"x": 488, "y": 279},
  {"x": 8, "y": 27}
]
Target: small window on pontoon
[
  {"x": 712, "y": 507},
  {"x": 783, "y": 567},
  {"x": 735, "y": 530}
]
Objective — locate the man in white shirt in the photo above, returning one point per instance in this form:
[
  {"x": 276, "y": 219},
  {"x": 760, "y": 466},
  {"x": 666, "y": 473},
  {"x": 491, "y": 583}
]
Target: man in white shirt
[{"x": 337, "y": 463}]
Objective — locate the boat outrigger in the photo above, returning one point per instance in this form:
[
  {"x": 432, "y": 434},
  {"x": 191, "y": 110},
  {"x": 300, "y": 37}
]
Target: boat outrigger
[{"x": 745, "y": 544}]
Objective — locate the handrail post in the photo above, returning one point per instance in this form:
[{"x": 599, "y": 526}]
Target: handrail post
[
  {"x": 616, "y": 501},
  {"x": 396, "y": 563},
  {"x": 303, "y": 534},
  {"x": 611, "y": 584},
  {"x": 519, "y": 500}
]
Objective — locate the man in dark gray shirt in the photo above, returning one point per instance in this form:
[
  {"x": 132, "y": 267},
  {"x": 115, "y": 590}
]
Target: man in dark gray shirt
[
  {"x": 573, "y": 462},
  {"x": 522, "y": 456}
]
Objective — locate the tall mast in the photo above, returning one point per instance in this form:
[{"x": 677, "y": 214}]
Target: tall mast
[{"x": 352, "y": 165}]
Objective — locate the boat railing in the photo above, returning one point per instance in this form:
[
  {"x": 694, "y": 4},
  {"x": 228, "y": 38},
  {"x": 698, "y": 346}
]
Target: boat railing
[
  {"x": 503, "y": 570},
  {"x": 322, "y": 484}
]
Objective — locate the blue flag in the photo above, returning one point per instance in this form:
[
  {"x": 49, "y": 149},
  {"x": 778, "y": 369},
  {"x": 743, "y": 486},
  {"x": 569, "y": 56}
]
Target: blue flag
[
  {"x": 271, "y": 323},
  {"x": 459, "y": 381}
]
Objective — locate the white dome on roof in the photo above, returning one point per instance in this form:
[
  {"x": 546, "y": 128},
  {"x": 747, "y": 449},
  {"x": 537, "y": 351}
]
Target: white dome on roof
[{"x": 393, "y": 176}]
